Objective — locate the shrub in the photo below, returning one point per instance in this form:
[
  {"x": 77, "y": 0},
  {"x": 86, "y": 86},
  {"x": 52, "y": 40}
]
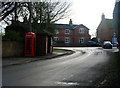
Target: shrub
[
  {"x": 60, "y": 42},
  {"x": 13, "y": 36}
]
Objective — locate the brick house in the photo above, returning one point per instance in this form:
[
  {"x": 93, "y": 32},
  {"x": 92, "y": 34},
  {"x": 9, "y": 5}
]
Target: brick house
[
  {"x": 105, "y": 30},
  {"x": 71, "y": 35}
]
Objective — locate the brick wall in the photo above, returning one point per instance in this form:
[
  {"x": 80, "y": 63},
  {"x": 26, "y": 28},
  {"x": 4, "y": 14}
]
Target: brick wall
[
  {"x": 104, "y": 33},
  {"x": 43, "y": 44},
  {"x": 74, "y": 37},
  {"x": 85, "y": 35},
  {"x": 10, "y": 48}
]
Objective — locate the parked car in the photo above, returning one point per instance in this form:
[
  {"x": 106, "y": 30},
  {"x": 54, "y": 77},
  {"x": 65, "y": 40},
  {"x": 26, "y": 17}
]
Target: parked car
[
  {"x": 93, "y": 44},
  {"x": 107, "y": 45}
]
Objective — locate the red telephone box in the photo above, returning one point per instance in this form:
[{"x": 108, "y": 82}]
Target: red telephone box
[{"x": 30, "y": 44}]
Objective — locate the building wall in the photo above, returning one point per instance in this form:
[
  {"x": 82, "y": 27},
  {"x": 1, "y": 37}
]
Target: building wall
[
  {"x": 85, "y": 35},
  {"x": 74, "y": 37},
  {"x": 9, "y": 49},
  {"x": 42, "y": 46},
  {"x": 104, "y": 33},
  {"x": 62, "y": 37}
]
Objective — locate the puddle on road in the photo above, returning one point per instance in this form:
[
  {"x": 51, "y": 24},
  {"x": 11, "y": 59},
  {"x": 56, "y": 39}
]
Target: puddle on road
[{"x": 67, "y": 83}]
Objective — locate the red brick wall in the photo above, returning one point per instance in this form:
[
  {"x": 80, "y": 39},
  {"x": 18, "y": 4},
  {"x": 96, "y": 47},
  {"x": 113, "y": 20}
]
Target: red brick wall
[
  {"x": 74, "y": 36},
  {"x": 41, "y": 44},
  {"x": 104, "y": 33},
  {"x": 62, "y": 36},
  {"x": 78, "y": 35}
]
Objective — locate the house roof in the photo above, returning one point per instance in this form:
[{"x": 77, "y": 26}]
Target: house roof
[{"x": 68, "y": 26}]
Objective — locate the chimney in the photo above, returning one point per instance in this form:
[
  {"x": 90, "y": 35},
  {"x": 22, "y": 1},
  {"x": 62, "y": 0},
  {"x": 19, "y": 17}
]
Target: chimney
[
  {"x": 70, "y": 22},
  {"x": 103, "y": 16}
]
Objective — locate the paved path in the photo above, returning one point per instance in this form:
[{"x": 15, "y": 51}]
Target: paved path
[{"x": 9, "y": 61}]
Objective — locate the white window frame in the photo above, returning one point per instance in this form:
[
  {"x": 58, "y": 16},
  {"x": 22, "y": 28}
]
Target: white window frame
[
  {"x": 67, "y": 40},
  {"x": 67, "y": 31},
  {"x": 81, "y": 31},
  {"x": 98, "y": 39},
  {"x": 56, "y": 39},
  {"x": 81, "y": 41},
  {"x": 57, "y": 32}
]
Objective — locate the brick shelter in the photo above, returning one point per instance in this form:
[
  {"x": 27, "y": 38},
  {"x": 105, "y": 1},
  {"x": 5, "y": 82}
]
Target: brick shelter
[{"x": 43, "y": 44}]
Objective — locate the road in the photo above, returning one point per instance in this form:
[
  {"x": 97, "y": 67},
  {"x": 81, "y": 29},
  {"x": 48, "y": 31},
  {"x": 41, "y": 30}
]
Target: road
[{"x": 87, "y": 67}]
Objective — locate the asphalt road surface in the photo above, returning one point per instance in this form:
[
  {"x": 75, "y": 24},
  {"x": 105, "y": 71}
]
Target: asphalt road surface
[{"x": 87, "y": 67}]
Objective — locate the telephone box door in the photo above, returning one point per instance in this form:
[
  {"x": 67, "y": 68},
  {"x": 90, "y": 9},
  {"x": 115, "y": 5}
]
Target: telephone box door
[{"x": 30, "y": 44}]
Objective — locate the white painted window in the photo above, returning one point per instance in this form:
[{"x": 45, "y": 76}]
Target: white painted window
[
  {"x": 67, "y": 40},
  {"x": 56, "y": 38},
  {"x": 98, "y": 39},
  {"x": 81, "y": 30},
  {"x": 67, "y": 31},
  {"x": 56, "y": 31},
  {"x": 81, "y": 39}
]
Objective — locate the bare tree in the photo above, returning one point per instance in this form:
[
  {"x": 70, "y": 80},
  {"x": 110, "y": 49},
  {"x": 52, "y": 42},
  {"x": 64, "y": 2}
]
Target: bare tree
[
  {"x": 53, "y": 11},
  {"x": 10, "y": 10},
  {"x": 44, "y": 13},
  {"x": 48, "y": 12}
]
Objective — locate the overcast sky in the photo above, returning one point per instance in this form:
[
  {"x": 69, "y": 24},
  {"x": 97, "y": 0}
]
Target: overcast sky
[{"x": 88, "y": 12}]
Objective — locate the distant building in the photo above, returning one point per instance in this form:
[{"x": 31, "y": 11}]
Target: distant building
[
  {"x": 71, "y": 35},
  {"x": 105, "y": 30}
]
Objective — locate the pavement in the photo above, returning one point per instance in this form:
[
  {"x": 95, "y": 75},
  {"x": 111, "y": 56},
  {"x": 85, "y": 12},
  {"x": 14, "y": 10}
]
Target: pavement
[
  {"x": 112, "y": 79},
  {"x": 10, "y": 61}
]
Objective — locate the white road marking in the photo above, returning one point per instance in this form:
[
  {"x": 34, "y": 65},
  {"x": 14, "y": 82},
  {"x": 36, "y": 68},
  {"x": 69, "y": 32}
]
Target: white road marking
[{"x": 67, "y": 83}]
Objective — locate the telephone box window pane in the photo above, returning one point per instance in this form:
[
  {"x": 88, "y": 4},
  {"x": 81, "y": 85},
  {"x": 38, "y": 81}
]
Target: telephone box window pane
[
  {"x": 28, "y": 35},
  {"x": 28, "y": 45}
]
